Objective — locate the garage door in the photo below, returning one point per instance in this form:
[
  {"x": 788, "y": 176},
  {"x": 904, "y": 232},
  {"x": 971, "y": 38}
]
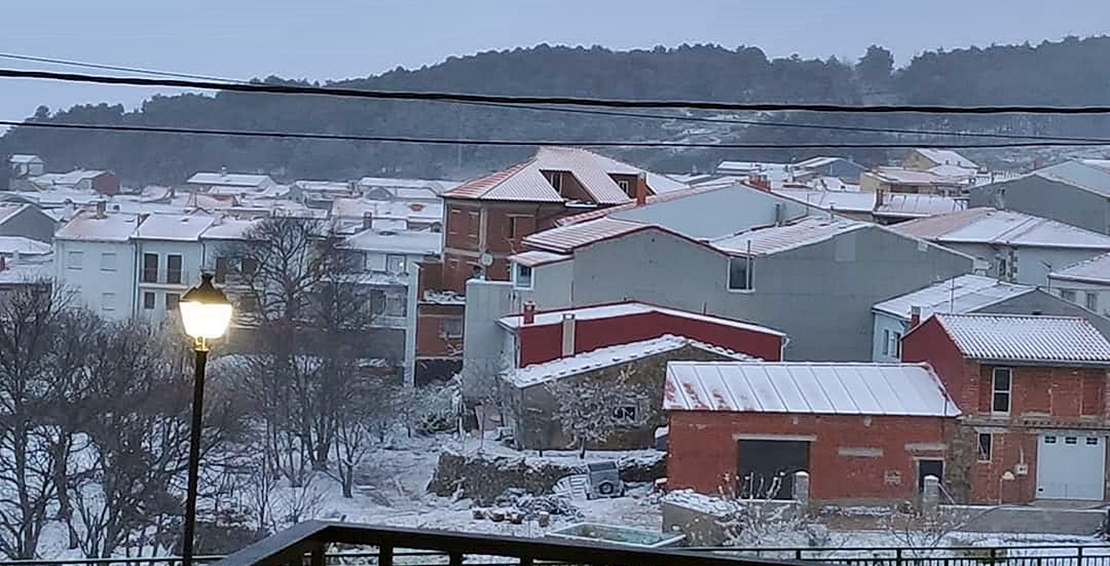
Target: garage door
[
  {"x": 766, "y": 467},
  {"x": 1070, "y": 466}
]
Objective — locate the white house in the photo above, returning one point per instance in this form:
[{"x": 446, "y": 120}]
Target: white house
[
  {"x": 24, "y": 165},
  {"x": 170, "y": 257},
  {"x": 389, "y": 259},
  {"x": 95, "y": 259},
  {"x": 1018, "y": 247},
  {"x": 1086, "y": 283}
]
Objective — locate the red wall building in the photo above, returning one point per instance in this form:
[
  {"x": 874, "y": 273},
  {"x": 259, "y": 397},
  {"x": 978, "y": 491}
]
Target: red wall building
[
  {"x": 863, "y": 432},
  {"x": 1033, "y": 392},
  {"x": 540, "y": 335}
]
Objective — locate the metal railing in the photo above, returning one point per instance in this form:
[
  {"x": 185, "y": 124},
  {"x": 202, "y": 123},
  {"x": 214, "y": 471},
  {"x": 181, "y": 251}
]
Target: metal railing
[{"x": 444, "y": 548}]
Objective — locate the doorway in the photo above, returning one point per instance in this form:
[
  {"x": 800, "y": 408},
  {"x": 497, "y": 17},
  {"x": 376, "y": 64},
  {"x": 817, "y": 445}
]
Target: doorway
[{"x": 765, "y": 469}]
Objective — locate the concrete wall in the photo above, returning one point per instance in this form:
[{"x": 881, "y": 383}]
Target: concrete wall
[
  {"x": 820, "y": 295},
  {"x": 29, "y": 223},
  {"x": 192, "y": 261},
  {"x": 1045, "y": 302},
  {"x": 1032, "y": 264},
  {"x": 716, "y": 213},
  {"x": 552, "y": 286},
  {"x": 1081, "y": 288},
  {"x": 483, "y": 338},
  {"x": 884, "y": 322},
  {"x": 1047, "y": 198}
]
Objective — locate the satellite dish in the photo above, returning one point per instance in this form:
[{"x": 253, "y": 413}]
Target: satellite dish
[{"x": 486, "y": 259}]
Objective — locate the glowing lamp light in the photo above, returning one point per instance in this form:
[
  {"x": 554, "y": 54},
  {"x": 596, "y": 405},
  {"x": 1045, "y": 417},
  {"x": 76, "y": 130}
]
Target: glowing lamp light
[{"x": 205, "y": 311}]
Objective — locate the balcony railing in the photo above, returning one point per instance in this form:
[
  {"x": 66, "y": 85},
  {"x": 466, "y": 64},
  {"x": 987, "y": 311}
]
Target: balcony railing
[{"x": 305, "y": 544}]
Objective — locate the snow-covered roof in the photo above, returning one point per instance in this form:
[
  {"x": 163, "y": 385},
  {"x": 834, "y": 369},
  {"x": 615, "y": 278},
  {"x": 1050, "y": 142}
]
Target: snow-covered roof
[
  {"x": 1027, "y": 339},
  {"x": 915, "y": 205},
  {"x": 903, "y": 176},
  {"x": 399, "y": 186},
  {"x": 751, "y": 167},
  {"x": 86, "y": 225},
  {"x": 28, "y": 270},
  {"x": 1094, "y": 270},
  {"x": 986, "y": 225},
  {"x": 24, "y": 158},
  {"x": 946, "y": 157},
  {"x": 176, "y": 227},
  {"x": 230, "y": 228},
  {"x": 831, "y": 200},
  {"x": 9, "y": 245},
  {"x": 627, "y": 309},
  {"x": 230, "y": 180},
  {"x": 966, "y": 293},
  {"x": 820, "y": 161},
  {"x": 526, "y": 182},
  {"x": 564, "y": 239},
  {"x": 358, "y": 208},
  {"x": 807, "y": 388},
  {"x": 1087, "y": 174},
  {"x": 953, "y": 171},
  {"x": 536, "y": 258},
  {"x": 608, "y": 357},
  {"x": 66, "y": 179},
  {"x": 401, "y": 242},
  {"x": 776, "y": 239},
  {"x": 651, "y": 199}
]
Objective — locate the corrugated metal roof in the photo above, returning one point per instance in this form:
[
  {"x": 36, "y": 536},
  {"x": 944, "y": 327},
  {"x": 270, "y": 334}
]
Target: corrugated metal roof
[
  {"x": 537, "y": 258},
  {"x": 966, "y": 293},
  {"x": 608, "y": 357},
  {"x": 986, "y": 225},
  {"x": 1049, "y": 340},
  {"x": 912, "y": 205},
  {"x": 564, "y": 239},
  {"x": 177, "y": 227},
  {"x": 628, "y": 309},
  {"x": 1085, "y": 174},
  {"x": 775, "y": 239},
  {"x": 1094, "y": 270},
  {"x": 807, "y": 388}
]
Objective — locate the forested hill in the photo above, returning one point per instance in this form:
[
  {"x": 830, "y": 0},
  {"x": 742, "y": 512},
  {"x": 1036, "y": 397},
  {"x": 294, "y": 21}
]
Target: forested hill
[{"x": 1071, "y": 72}]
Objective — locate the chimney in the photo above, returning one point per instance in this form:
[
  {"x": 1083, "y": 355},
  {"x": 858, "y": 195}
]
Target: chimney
[
  {"x": 641, "y": 189},
  {"x": 568, "y": 335},
  {"x": 223, "y": 171},
  {"x": 529, "y": 312},
  {"x": 15, "y": 257},
  {"x": 101, "y": 207},
  {"x": 367, "y": 220},
  {"x": 780, "y": 214},
  {"x": 915, "y": 316}
]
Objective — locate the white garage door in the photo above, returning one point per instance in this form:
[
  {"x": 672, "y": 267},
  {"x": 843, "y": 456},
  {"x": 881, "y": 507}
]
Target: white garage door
[{"x": 1070, "y": 466}]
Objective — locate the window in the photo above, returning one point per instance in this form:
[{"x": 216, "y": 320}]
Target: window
[
  {"x": 171, "y": 301},
  {"x": 985, "y": 445},
  {"x": 557, "y": 181},
  {"x": 1070, "y": 440},
  {"x": 108, "y": 261},
  {"x": 148, "y": 301},
  {"x": 522, "y": 278},
  {"x": 221, "y": 270},
  {"x": 472, "y": 224},
  {"x": 108, "y": 302},
  {"x": 453, "y": 222},
  {"x": 1050, "y": 440},
  {"x": 248, "y": 266},
  {"x": 1091, "y": 301},
  {"x": 1002, "y": 268},
  {"x": 396, "y": 263},
  {"x": 740, "y": 274},
  {"x": 515, "y": 227},
  {"x": 1092, "y": 441},
  {"x": 1000, "y": 400},
  {"x": 150, "y": 268},
  {"x": 173, "y": 269},
  {"x": 74, "y": 260},
  {"x": 452, "y": 327},
  {"x": 247, "y": 303},
  {"x": 895, "y": 345},
  {"x": 1068, "y": 294},
  {"x": 627, "y": 413},
  {"x": 395, "y": 305},
  {"x": 623, "y": 184},
  {"x": 886, "y": 342}
]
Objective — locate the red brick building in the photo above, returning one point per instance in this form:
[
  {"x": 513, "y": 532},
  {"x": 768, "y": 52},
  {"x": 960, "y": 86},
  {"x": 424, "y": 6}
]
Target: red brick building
[
  {"x": 864, "y": 432},
  {"x": 1032, "y": 390},
  {"x": 540, "y": 337}
]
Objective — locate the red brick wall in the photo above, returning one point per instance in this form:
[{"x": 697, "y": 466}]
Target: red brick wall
[
  {"x": 429, "y": 328},
  {"x": 1007, "y": 449},
  {"x": 702, "y": 451},
  {"x": 540, "y": 344},
  {"x": 930, "y": 343}
]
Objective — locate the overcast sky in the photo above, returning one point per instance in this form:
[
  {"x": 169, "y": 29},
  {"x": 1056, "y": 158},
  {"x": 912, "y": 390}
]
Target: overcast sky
[{"x": 332, "y": 39}]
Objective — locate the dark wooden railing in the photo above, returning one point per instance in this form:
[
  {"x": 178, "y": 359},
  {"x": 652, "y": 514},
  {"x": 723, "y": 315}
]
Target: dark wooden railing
[{"x": 305, "y": 545}]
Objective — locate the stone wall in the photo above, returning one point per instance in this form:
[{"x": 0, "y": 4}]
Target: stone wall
[{"x": 482, "y": 476}]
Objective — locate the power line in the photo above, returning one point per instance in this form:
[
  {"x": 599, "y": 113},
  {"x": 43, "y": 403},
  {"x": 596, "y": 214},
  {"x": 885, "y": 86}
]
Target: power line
[
  {"x": 668, "y": 117},
  {"x": 261, "y": 88},
  {"x": 517, "y": 143}
]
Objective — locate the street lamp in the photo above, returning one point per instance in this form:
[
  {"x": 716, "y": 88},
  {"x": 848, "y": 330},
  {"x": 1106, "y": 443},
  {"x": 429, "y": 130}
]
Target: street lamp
[{"x": 206, "y": 314}]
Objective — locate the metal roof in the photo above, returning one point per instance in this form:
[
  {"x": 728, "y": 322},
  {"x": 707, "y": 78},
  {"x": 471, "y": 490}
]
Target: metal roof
[
  {"x": 807, "y": 388},
  {"x": 628, "y": 309},
  {"x": 564, "y": 239},
  {"x": 946, "y": 157},
  {"x": 400, "y": 241},
  {"x": 608, "y": 357},
  {"x": 966, "y": 293},
  {"x": 1094, "y": 270},
  {"x": 912, "y": 205},
  {"x": 1089, "y": 175},
  {"x": 775, "y": 239},
  {"x": 536, "y": 258},
  {"x": 986, "y": 225},
  {"x": 1027, "y": 339}
]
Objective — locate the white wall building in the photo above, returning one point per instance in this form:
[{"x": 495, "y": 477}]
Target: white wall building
[
  {"x": 1086, "y": 283},
  {"x": 95, "y": 259},
  {"x": 170, "y": 257}
]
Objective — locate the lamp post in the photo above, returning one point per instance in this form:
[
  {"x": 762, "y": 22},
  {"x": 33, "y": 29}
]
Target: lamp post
[{"x": 206, "y": 314}]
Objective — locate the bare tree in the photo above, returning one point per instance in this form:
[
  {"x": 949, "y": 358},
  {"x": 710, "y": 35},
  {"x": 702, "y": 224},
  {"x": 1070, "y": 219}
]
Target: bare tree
[{"x": 587, "y": 409}]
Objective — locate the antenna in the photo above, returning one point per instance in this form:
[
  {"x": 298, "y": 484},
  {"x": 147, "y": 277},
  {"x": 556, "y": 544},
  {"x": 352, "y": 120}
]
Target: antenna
[{"x": 952, "y": 296}]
